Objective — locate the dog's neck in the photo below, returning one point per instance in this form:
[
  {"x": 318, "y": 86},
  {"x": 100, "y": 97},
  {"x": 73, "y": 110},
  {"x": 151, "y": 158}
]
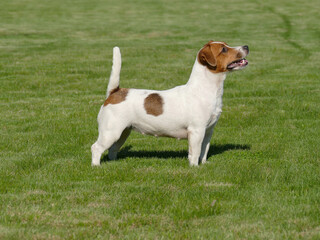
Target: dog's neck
[{"x": 203, "y": 79}]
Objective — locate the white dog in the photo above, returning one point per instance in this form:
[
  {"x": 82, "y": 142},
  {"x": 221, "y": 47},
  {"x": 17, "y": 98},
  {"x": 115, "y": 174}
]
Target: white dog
[{"x": 188, "y": 111}]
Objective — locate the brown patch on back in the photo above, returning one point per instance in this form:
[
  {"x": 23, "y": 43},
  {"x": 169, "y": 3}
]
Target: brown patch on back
[
  {"x": 153, "y": 104},
  {"x": 216, "y": 60},
  {"x": 116, "y": 96}
]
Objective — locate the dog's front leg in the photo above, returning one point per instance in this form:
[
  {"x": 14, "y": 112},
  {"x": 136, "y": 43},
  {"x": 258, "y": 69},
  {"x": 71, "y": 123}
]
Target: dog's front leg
[
  {"x": 206, "y": 144},
  {"x": 195, "y": 138}
]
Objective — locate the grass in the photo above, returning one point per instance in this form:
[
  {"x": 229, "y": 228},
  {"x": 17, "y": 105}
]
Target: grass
[{"x": 263, "y": 176}]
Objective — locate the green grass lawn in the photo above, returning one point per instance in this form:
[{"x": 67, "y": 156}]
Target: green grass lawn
[{"x": 262, "y": 179}]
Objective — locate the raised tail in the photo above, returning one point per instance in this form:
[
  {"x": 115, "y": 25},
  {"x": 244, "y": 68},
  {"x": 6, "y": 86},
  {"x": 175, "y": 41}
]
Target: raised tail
[{"x": 115, "y": 72}]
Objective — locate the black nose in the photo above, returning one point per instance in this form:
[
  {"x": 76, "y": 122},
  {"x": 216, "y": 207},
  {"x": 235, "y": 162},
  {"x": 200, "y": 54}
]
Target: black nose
[{"x": 246, "y": 48}]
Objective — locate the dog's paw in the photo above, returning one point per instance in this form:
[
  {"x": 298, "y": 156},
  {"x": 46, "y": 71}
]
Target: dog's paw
[{"x": 194, "y": 164}]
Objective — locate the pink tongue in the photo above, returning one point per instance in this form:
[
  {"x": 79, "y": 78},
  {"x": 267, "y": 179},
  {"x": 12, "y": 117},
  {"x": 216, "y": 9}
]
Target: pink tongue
[{"x": 243, "y": 62}]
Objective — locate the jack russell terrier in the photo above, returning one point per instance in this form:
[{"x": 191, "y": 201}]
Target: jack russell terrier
[{"x": 189, "y": 111}]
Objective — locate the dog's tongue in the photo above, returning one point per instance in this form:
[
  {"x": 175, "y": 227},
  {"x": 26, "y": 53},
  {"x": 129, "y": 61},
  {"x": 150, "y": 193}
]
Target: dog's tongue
[
  {"x": 243, "y": 62},
  {"x": 240, "y": 63}
]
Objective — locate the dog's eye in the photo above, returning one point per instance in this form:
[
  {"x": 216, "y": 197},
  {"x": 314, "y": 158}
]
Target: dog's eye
[{"x": 224, "y": 50}]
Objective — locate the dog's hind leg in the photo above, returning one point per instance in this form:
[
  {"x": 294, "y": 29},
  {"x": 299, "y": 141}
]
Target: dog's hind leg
[
  {"x": 113, "y": 151},
  {"x": 105, "y": 140}
]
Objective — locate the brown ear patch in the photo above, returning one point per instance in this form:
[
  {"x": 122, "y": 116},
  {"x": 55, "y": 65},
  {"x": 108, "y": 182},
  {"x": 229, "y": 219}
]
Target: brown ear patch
[
  {"x": 153, "y": 104},
  {"x": 116, "y": 96},
  {"x": 206, "y": 57}
]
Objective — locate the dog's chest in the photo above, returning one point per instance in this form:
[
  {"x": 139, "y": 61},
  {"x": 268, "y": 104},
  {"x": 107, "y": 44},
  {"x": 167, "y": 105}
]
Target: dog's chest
[{"x": 215, "y": 110}]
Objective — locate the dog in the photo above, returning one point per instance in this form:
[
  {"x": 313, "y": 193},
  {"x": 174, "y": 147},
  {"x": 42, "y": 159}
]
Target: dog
[{"x": 188, "y": 112}]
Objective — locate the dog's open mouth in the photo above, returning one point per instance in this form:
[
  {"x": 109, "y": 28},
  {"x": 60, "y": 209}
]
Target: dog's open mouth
[{"x": 241, "y": 63}]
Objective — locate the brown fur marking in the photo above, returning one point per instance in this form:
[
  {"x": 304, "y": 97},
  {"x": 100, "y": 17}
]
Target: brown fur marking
[
  {"x": 116, "y": 96},
  {"x": 153, "y": 104}
]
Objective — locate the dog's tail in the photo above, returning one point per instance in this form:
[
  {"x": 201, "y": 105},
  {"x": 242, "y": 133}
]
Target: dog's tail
[{"x": 115, "y": 72}]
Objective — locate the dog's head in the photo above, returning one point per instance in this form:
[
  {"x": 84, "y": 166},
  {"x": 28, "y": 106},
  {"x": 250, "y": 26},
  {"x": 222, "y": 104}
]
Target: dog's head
[{"x": 219, "y": 57}]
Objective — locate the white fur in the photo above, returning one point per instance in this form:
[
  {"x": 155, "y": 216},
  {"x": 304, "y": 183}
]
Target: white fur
[
  {"x": 189, "y": 111},
  {"x": 115, "y": 72}
]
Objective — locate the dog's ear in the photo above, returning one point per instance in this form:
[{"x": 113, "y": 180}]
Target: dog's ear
[{"x": 206, "y": 57}]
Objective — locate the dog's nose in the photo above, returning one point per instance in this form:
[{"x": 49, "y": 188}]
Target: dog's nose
[{"x": 246, "y": 48}]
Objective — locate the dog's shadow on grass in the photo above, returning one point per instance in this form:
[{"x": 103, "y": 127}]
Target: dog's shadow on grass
[{"x": 214, "y": 150}]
